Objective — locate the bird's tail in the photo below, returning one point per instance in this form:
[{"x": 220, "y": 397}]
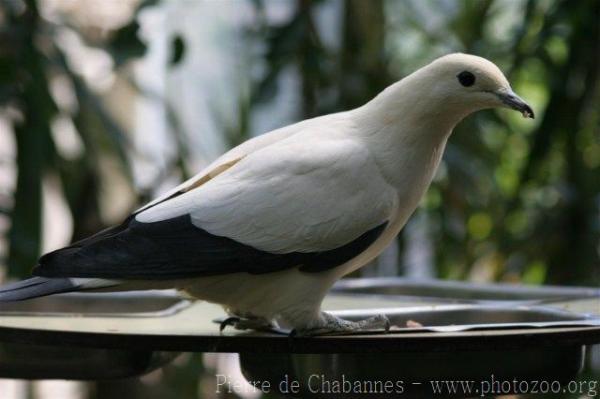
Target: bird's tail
[
  {"x": 35, "y": 287},
  {"x": 38, "y": 286}
]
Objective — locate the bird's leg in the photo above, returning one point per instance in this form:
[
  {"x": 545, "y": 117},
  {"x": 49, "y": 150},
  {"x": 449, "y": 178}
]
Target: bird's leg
[
  {"x": 329, "y": 324},
  {"x": 246, "y": 322}
]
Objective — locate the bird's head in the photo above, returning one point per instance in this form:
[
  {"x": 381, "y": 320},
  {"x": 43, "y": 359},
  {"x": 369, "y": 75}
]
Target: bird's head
[{"x": 466, "y": 83}]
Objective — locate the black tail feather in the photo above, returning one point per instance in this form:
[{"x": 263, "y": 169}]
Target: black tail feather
[{"x": 35, "y": 287}]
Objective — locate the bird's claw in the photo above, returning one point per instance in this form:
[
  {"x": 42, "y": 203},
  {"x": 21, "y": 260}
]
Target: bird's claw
[
  {"x": 376, "y": 321},
  {"x": 242, "y": 323},
  {"x": 230, "y": 321},
  {"x": 332, "y": 325}
]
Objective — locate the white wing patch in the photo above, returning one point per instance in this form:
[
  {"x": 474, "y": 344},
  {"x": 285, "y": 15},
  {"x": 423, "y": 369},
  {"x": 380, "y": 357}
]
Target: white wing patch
[{"x": 290, "y": 197}]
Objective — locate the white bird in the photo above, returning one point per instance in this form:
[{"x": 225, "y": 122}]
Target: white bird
[{"x": 267, "y": 228}]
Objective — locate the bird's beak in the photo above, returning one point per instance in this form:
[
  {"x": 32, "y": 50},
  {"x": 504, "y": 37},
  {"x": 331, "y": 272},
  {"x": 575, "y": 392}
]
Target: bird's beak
[{"x": 511, "y": 100}]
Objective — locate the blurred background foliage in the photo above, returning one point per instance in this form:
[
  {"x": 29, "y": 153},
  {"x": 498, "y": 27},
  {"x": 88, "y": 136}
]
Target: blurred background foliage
[{"x": 514, "y": 200}]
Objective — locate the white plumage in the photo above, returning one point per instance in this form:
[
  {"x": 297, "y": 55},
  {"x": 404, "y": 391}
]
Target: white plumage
[
  {"x": 294, "y": 195},
  {"x": 314, "y": 187}
]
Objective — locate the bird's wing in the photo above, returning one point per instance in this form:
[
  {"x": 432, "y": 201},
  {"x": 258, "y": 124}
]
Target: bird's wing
[
  {"x": 228, "y": 159},
  {"x": 289, "y": 204}
]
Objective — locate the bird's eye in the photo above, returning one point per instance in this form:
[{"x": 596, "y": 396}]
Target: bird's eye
[{"x": 466, "y": 78}]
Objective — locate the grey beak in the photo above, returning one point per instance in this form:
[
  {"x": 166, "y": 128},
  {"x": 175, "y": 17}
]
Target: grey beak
[{"x": 511, "y": 100}]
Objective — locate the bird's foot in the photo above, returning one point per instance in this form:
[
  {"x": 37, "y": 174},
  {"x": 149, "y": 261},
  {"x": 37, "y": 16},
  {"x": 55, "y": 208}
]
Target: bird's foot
[
  {"x": 241, "y": 323},
  {"x": 332, "y": 325}
]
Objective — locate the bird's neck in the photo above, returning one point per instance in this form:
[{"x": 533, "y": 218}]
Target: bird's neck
[
  {"x": 407, "y": 130},
  {"x": 415, "y": 101}
]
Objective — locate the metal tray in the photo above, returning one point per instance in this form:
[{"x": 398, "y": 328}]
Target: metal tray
[
  {"x": 477, "y": 313},
  {"x": 100, "y": 336},
  {"x": 32, "y": 360},
  {"x": 127, "y": 304},
  {"x": 460, "y": 292},
  {"x": 456, "y": 318},
  {"x": 415, "y": 369}
]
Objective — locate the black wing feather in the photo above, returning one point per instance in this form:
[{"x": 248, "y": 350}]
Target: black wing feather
[{"x": 175, "y": 248}]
